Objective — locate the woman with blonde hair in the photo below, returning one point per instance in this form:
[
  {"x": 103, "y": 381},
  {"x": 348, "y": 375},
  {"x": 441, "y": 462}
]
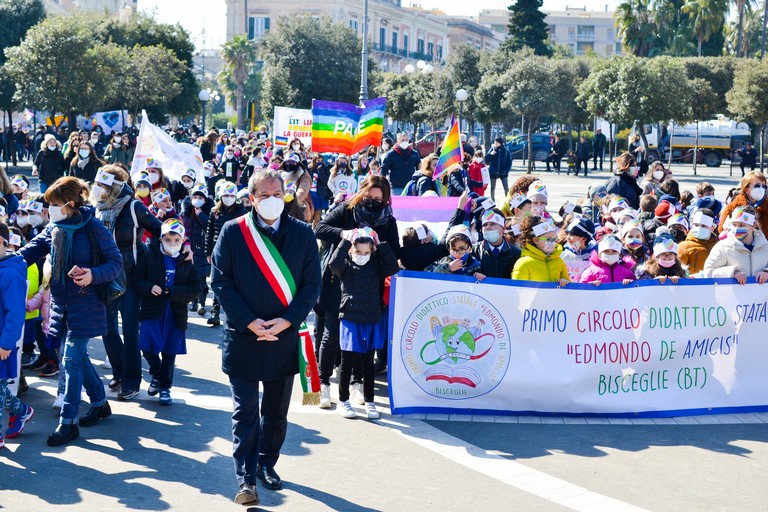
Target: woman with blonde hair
[{"x": 751, "y": 193}]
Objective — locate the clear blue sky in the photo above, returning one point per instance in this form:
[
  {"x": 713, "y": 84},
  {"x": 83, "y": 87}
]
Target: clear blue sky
[{"x": 211, "y": 15}]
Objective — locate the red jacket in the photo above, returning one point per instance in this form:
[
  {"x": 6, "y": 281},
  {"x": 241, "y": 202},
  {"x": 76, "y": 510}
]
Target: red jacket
[{"x": 476, "y": 178}]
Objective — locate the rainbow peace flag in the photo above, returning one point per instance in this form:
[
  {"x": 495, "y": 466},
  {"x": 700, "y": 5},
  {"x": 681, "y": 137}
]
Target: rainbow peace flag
[
  {"x": 346, "y": 128},
  {"x": 451, "y": 153}
]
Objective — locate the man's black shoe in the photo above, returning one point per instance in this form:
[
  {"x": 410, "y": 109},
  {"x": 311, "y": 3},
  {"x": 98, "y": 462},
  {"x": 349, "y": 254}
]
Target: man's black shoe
[{"x": 269, "y": 478}]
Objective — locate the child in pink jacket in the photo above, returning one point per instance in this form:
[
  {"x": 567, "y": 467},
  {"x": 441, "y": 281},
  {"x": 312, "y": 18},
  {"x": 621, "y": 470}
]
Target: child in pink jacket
[{"x": 606, "y": 264}]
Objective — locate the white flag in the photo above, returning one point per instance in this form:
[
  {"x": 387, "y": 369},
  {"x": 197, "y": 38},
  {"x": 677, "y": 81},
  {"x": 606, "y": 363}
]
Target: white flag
[{"x": 175, "y": 157}]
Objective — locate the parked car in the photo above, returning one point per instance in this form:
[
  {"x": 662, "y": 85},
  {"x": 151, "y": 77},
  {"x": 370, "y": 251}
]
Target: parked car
[
  {"x": 518, "y": 147},
  {"x": 430, "y": 143}
]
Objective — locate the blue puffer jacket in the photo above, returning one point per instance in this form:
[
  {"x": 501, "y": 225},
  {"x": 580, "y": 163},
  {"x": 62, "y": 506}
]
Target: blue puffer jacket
[
  {"x": 81, "y": 313},
  {"x": 13, "y": 297}
]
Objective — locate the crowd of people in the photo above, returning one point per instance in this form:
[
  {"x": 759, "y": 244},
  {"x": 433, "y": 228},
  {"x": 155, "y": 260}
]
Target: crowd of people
[{"x": 278, "y": 232}]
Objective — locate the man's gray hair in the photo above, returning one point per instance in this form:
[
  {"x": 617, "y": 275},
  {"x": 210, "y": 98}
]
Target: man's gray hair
[{"x": 265, "y": 175}]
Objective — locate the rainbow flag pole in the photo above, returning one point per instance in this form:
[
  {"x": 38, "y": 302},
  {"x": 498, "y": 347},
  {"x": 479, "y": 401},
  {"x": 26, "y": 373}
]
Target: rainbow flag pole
[{"x": 451, "y": 152}]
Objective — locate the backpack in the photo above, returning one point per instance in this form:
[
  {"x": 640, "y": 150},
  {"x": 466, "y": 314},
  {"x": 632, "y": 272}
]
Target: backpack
[{"x": 409, "y": 189}]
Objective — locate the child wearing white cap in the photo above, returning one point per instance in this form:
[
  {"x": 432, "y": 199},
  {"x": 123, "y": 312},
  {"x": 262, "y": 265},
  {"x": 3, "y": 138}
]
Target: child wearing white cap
[
  {"x": 664, "y": 263},
  {"x": 540, "y": 260},
  {"x": 606, "y": 264},
  {"x": 743, "y": 253},
  {"x": 167, "y": 283}
]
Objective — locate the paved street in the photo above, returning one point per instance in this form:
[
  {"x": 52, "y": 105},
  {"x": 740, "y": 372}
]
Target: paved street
[{"x": 148, "y": 457}]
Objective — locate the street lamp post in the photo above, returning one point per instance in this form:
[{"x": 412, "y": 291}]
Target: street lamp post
[
  {"x": 204, "y": 95},
  {"x": 364, "y": 56},
  {"x": 461, "y": 97}
]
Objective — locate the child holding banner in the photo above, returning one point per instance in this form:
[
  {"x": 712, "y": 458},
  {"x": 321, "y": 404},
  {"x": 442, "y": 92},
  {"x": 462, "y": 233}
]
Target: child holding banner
[
  {"x": 460, "y": 260},
  {"x": 743, "y": 253},
  {"x": 607, "y": 265},
  {"x": 361, "y": 262},
  {"x": 664, "y": 263}
]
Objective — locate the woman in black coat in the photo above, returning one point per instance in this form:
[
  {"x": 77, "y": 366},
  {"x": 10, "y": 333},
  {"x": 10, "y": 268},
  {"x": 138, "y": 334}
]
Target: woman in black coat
[
  {"x": 85, "y": 164},
  {"x": 370, "y": 207},
  {"x": 623, "y": 184},
  {"x": 127, "y": 219},
  {"x": 49, "y": 163}
]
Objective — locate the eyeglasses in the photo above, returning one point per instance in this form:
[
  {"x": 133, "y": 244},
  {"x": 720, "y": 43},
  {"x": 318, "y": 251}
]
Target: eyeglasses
[
  {"x": 547, "y": 239},
  {"x": 759, "y": 185},
  {"x": 460, "y": 250}
]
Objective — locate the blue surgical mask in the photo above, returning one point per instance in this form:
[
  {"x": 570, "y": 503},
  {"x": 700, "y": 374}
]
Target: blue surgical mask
[{"x": 491, "y": 235}]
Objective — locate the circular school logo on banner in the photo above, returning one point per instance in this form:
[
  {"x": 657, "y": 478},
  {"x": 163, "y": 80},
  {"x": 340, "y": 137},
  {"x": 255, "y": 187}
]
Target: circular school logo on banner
[{"x": 455, "y": 346}]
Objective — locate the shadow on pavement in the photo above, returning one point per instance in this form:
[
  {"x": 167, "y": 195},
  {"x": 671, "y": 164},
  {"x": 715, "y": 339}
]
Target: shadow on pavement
[{"x": 529, "y": 441}]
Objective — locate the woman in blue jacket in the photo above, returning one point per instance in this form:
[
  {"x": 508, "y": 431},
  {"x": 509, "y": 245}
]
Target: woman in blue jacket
[{"x": 83, "y": 255}]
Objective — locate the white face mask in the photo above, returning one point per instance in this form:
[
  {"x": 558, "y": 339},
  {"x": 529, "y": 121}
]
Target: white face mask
[
  {"x": 360, "y": 259},
  {"x": 478, "y": 159},
  {"x": 270, "y": 208},
  {"x": 228, "y": 200},
  {"x": 538, "y": 210},
  {"x": 22, "y": 221},
  {"x": 549, "y": 247},
  {"x": 198, "y": 203},
  {"x": 296, "y": 147},
  {"x": 385, "y": 147},
  {"x": 52, "y": 148},
  {"x": 658, "y": 175},
  {"x": 171, "y": 250},
  {"x": 154, "y": 177},
  {"x": 187, "y": 184},
  {"x": 757, "y": 194},
  {"x": 84, "y": 153},
  {"x": 98, "y": 193},
  {"x": 116, "y": 144},
  {"x": 35, "y": 220},
  {"x": 609, "y": 259},
  {"x": 56, "y": 214},
  {"x": 403, "y": 145}
]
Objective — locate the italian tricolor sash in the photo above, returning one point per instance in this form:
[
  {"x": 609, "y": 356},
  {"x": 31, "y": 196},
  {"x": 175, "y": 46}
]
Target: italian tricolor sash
[{"x": 280, "y": 279}]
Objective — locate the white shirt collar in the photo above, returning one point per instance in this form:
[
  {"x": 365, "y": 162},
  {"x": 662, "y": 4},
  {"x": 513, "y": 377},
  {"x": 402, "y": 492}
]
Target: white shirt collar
[{"x": 261, "y": 223}]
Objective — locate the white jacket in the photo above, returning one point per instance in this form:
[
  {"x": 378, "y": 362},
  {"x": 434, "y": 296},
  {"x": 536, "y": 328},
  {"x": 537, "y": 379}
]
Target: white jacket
[{"x": 730, "y": 255}]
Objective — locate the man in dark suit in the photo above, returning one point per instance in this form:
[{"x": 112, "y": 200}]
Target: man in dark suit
[
  {"x": 598, "y": 146},
  {"x": 261, "y": 337}
]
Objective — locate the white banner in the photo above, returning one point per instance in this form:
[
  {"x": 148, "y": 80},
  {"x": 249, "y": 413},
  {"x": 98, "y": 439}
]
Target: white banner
[
  {"x": 290, "y": 123},
  {"x": 175, "y": 157},
  {"x": 505, "y": 346}
]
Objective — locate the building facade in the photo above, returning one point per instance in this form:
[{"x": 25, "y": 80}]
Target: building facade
[
  {"x": 578, "y": 29},
  {"x": 121, "y": 8},
  {"x": 397, "y": 36}
]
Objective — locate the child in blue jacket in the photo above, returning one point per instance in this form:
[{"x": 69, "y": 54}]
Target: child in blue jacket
[{"x": 13, "y": 286}]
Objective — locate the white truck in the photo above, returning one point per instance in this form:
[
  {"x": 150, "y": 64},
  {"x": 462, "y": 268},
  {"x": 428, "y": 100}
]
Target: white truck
[{"x": 718, "y": 140}]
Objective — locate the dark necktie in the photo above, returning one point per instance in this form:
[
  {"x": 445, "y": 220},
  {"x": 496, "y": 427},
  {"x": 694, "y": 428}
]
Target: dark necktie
[
  {"x": 270, "y": 231},
  {"x": 496, "y": 252}
]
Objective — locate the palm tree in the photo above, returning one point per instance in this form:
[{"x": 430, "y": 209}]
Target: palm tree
[
  {"x": 707, "y": 18},
  {"x": 238, "y": 55},
  {"x": 637, "y": 27},
  {"x": 741, "y": 6}
]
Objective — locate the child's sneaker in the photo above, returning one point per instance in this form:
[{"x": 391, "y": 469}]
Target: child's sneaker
[
  {"x": 154, "y": 387},
  {"x": 345, "y": 410},
  {"x": 17, "y": 421},
  {"x": 325, "y": 396},
  {"x": 370, "y": 409},
  {"x": 165, "y": 397},
  {"x": 59, "y": 402},
  {"x": 50, "y": 369},
  {"x": 356, "y": 394}
]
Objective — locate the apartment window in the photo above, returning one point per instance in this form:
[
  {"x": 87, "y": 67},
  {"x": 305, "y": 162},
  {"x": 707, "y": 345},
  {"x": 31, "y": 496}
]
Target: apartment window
[
  {"x": 257, "y": 27},
  {"x": 583, "y": 48},
  {"x": 610, "y": 34},
  {"x": 585, "y": 33},
  {"x": 353, "y": 25},
  {"x": 405, "y": 43},
  {"x": 394, "y": 41},
  {"x": 430, "y": 49},
  {"x": 420, "y": 46},
  {"x": 609, "y": 49},
  {"x": 439, "y": 52},
  {"x": 619, "y": 48},
  {"x": 382, "y": 37},
  {"x": 571, "y": 33}
]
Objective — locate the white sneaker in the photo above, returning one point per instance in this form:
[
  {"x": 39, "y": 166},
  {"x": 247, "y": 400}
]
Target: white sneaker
[
  {"x": 345, "y": 410},
  {"x": 356, "y": 394},
  {"x": 59, "y": 402},
  {"x": 325, "y": 396},
  {"x": 370, "y": 409}
]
